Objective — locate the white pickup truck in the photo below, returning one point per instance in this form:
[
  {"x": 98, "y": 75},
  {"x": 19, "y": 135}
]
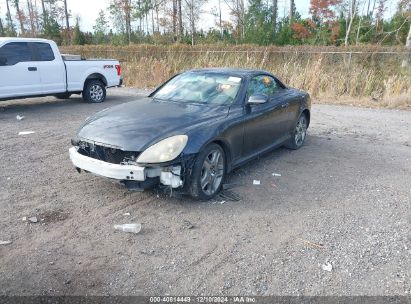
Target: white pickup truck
[{"x": 35, "y": 67}]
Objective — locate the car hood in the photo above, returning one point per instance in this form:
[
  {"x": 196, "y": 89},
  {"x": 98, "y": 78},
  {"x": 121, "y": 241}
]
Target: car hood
[{"x": 135, "y": 125}]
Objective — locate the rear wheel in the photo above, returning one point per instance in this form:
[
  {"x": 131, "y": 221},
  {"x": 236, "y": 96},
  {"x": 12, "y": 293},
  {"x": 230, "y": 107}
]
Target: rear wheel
[
  {"x": 94, "y": 91},
  {"x": 208, "y": 173},
  {"x": 299, "y": 134}
]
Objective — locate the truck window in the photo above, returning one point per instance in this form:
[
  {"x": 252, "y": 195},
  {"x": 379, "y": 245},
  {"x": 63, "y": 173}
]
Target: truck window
[
  {"x": 15, "y": 52},
  {"x": 42, "y": 51}
]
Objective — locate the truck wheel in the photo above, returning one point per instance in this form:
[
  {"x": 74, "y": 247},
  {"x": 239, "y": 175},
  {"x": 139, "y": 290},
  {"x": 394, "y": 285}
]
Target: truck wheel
[
  {"x": 63, "y": 96},
  {"x": 94, "y": 91}
]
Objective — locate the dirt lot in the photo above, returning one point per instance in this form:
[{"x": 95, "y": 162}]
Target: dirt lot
[{"x": 344, "y": 198}]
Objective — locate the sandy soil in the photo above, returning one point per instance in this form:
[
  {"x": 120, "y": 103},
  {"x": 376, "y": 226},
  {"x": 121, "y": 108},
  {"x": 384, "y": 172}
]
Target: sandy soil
[{"x": 343, "y": 199}]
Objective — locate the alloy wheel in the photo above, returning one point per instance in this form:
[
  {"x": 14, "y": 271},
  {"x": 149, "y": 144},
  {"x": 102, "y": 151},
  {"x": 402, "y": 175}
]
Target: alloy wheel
[
  {"x": 300, "y": 130},
  {"x": 212, "y": 172},
  {"x": 96, "y": 93}
]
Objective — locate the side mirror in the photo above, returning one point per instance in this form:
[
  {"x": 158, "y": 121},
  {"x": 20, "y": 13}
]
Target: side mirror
[
  {"x": 257, "y": 99},
  {"x": 3, "y": 61}
]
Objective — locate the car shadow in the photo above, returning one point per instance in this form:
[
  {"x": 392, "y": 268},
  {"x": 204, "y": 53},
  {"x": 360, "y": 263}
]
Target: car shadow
[{"x": 241, "y": 178}]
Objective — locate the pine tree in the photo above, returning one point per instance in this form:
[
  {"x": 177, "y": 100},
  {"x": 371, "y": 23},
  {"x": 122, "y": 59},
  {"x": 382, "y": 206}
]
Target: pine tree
[{"x": 78, "y": 38}]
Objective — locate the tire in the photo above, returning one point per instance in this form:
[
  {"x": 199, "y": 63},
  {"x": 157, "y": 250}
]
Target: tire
[
  {"x": 299, "y": 133},
  {"x": 94, "y": 91},
  {"x": 63, "y": 96},
  {"x": 210, "y": 162}
]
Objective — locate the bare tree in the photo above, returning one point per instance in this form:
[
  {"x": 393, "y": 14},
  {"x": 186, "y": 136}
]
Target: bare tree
[
  {"x": 33, "y": 18},
  {"x": 274, "y": 16},
  {"x": 237, "y": 9},
  {"x": 291, "y": 11},
  {"x": 121, "y": 11},
  {"x": 20, "y": 16},
  {"x": 45, "y": 15},
  {"x": 66, "y": 14},
  {"x": 353, "y": 10},
  {"x": 9, "y": 19},
  {"x": 380, "y": 15},
  {"x": 193, "y": 12},
  {"x": 175, "y": 20},
  {"x": 180, "y": 21},
  {"x": 1, "y": 28}
]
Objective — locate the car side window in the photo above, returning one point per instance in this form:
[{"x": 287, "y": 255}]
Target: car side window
[
  {"x": 263, "y": 85},
  {"x": 42, "y": 51},
  {"x": 15, "y": 52}
]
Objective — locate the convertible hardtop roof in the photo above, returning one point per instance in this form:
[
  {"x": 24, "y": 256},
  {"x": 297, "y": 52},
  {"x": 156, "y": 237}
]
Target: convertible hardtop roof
[{"x": 233, "y": 71}]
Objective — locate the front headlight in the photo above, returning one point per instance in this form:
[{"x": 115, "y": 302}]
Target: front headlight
[{"x": 164, "y": 151}]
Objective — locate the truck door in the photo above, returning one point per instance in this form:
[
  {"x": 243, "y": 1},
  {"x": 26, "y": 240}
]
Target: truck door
[
  {"x": 19, "y": 75},
  {"x": 51, "y": 69}
]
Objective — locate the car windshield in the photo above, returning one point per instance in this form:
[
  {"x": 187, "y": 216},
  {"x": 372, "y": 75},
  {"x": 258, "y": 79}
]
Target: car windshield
[{"x": 202, "y": 88}]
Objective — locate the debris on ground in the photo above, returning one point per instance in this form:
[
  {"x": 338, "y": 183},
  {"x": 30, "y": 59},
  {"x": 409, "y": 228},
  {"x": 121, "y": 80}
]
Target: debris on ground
[
  {"x": 312, "y": 244},
  {"x": 32, "y": 219},
  {"x": 147, "y": 252},
  {"x": 228, "y": 196},
  {"x": 5, "y": 242},
  {"x": 187, "y": 225},
  {"x": 127, "y": 214},
  {"x": 131, "y": 228},
  {"x": 18, "y": 117},
  {"x": 327, "y": 267},
  {"x": 222, "y": 202},
  {"x": 256, "y": 182},
  {"x": 231, "y": 185},
  {"x": 26, "y": 132},
  {"x": 276, "y": 174}
]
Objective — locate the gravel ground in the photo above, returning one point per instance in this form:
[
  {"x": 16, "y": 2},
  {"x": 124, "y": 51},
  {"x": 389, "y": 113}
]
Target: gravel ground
[{"x": 342, "y": 199}]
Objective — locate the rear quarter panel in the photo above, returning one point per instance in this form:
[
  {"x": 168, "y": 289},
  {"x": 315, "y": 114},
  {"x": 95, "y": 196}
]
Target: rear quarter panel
[{"x": 79, "y": 70}]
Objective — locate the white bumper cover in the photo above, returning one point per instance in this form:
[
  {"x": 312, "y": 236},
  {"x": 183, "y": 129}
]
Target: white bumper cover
[
  {"x": 98, "y": 167},
  {"x": 169, "y": 176}
]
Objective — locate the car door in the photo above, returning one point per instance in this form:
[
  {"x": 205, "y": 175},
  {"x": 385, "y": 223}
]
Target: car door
[
  {"x": 264, "y": 123},
  {"x": 18, "y": 72},
  {"x": 51, "y": 69}
]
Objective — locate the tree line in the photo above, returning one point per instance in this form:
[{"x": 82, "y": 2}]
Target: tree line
[{"x": 331, "y": 22}]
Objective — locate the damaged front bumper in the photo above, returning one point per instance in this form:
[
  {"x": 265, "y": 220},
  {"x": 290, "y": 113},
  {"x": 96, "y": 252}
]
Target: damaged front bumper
[{"x": 133, "y": 176}]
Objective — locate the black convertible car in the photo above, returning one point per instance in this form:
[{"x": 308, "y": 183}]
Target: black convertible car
[{"x": 193, "y": 130}]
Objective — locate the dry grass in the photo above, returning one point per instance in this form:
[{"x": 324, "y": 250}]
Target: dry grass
[{"x": 368, "y": 76}]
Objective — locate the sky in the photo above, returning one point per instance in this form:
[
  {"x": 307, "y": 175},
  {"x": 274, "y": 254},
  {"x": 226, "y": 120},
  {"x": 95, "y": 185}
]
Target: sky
[{"x": 88, "y": 10}]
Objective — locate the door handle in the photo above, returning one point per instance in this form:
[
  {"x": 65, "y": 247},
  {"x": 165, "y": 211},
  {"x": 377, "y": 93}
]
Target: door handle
[
  {"x": 32, "y": 69},
  {"x": 284, "y": 105}
]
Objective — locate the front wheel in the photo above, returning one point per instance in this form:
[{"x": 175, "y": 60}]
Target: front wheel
[
  {"x": 208, "y": 173},
  {"x": 299, "y": 133},
  {"x": 94, "y": 91}
]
